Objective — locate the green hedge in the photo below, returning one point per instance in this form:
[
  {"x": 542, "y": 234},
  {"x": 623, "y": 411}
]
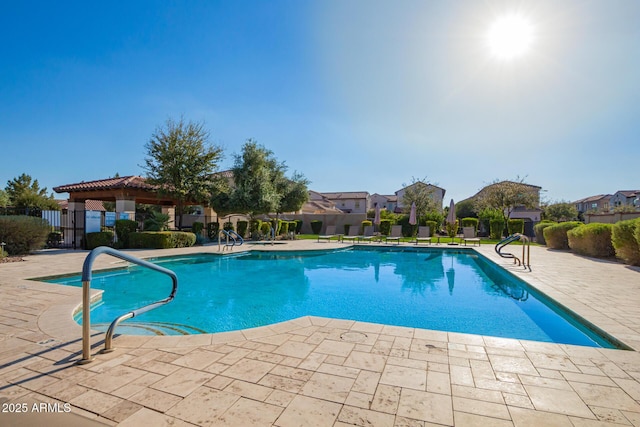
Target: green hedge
[
  {"x": 23, "y": 234},
  {"x": 254, "y": 228},
  {"x": 298, "y": 225},
  {"x": 161, "y": 239},
  {"x": 102, "y": 238},
  {"x": 265, "y": 228},
  {"x": 539, "y": 228},
  {"x": 556, "y": 235},
  {"x": 497, "y": 228},
  {"x": 124, "y": 227},
  {"x": 284, "y": 227},
  {"x": 363, "y": 224},
  {"x": 197, "y": 228},
  {"x": 470, "y": 222},
  {"x": 242, "y": 228},
  {"x": 515, "y": 226},
  {"x": 433, "y": 227},
  {"x": 316, "y": 226},
  {"x": 592, "y": 240},
  {"x": 228, "y": 226},
  {"x": 625, "y": 237},
  {"x": 347, "y": 227},
  {"x": 385, "y": 226}
]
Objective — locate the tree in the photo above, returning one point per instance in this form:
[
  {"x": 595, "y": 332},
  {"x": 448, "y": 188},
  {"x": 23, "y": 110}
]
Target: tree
[
  {"x": 180, "y": 161},
  {"x": 466, "y": 209},
  {"x": 260, "y": 184},
  {"x": 561, "y": 211},
  {"x": 419, "y": 192},
  {"x": 24, "y": 192},
  {"x": 4, "y": 199},
  {"x": 507, "y": 195}
]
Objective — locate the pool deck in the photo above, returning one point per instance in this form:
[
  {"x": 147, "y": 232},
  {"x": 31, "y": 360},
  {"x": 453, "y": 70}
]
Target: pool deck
[{"x": 317, "y": 371}]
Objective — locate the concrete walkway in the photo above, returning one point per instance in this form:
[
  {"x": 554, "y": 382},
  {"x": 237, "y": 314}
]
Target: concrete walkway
[{"x": 317, "y": 371}]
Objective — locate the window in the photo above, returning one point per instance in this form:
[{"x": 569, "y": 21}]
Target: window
[
  {"x": 357, "y": 204},
  {"x": 594, "y": 206}
]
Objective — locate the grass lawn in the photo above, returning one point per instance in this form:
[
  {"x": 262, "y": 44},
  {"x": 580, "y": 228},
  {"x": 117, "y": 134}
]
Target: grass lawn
[{"x": 484, "y": 241}]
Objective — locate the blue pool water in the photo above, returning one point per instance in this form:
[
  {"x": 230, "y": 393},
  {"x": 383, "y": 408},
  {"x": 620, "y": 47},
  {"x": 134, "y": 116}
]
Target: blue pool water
[{"x": 446, "y": 290}]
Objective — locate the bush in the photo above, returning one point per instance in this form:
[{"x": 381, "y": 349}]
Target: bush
[
  {"x": 293, "y": 225},
  {"x": 284, "y": 227},
  {"x": 124, "y": 227},
  {"x": 470, "y": 222},
  {"x": 254, "y": 228},
  {"x": 591, "y": 240},
  {"x": 496, "y": 227},
  {"x": 212, "y": 230},
  {"x": 452, "y": 229},
  {"x": 433, "y": 227},
  {"x": 156, "y": 222},
  {"x": 228, "y": 226},
  {"x": 197, "y": 228},
  {"x": 102, "y": 238},
  {"x": 539, "y": 228},
  {"x": 54, "y": 239},
  {"x": 347, "y": 227},
  {"x": 515, "y": 226},
  {"x": 265, "y": 228},
  {"x": 23, "y": 234},
  {"x": 242, "y": 228},
  {"x": 298, "y": 225},
  {"x": 277, "y": 225},
  {"x": 556, "y": 235},
  {"x": 316, "y": 226},
  {"x": 625, "y": 237},
  {"x": 162, "y": 239},
  {"x": 385, "y": 226}
]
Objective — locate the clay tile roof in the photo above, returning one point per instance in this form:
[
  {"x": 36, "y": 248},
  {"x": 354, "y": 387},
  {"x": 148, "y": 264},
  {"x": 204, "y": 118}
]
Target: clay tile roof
[
  {"x": 106, "y": 184},
  {"x": 89, "y": 205}
]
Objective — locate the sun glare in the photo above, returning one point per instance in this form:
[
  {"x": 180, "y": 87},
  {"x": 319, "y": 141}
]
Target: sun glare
[{"x": 510, "y": 36}]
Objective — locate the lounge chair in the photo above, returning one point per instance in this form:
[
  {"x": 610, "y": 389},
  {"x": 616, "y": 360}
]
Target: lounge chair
[
  {"x": 329, "y": 233},
  {"x": 469, "y": 235},
  {"x": 368, "y": 234},
  {"x": 424, "y": 234},
  {"x": 396, "y": 234},
  {"x": 353, "y": 234}
]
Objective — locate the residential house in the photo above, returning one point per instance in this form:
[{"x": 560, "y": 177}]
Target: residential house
[
  {"x": 349, "y": 201},
  {"x": 600, "y": 203},
  {"x": 625, "y": 198},
  {"x": 384, "y": 201},
  {"x": 436, "y": 193},
  {"x": 318, "y": 204}
]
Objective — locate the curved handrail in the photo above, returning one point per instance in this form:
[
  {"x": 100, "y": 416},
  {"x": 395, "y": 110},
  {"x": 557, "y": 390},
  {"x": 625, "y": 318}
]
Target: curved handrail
[
  {"x": 236, "y": 237},
  {"x": 228, "y": 236},
  {"x": 504, "y": 242},
  {"x": 86, "y": 303}
]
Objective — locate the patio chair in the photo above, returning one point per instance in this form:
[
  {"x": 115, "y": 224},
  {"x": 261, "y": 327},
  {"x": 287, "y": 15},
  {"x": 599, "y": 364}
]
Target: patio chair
[
  {"x": 353, "y": 234},
  {"x": 368, "y": 234},
  {"x": 469, "y": 235},
  {"x": 424, "y": 234},
  {"x": 396, "y": 233},
  {"x": 329, "y": 233}
]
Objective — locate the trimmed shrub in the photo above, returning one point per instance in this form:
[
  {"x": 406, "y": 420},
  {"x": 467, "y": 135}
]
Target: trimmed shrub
[
  {"x": 124, "y": 227},
  {"x": 298, "y": 225},
  {"x": 212, "y": 230},
  {"x": 316, "y": 226},
  {"x": 23, "y": 234},
  {"x": 102, "y": 238},
  {"x": 242, "y": 228},
  {"x": 433, "y": 227},
  {"x": 197, "y": 228},
  {"x": 385, "y": 226},
  {"x": 228, "y": 226},
  {"x": 254, "y": 228},
  {"x": 592, "y": 240},
  {"x": 292, "y": 227},
  {"x": 452, "y": 229},
  {"x": 496, "y": 227},
  {"x": 515, "y": 226},
  {"x": 539, "y": 228},
  {"x": 162, "y": 239},
  {"x": 54, "y": 239},
  {"x": 156, "y": 222},
  {"x": 556, "y": 235},
  {"x": 470, "y": 222},
  {"x": 284, "y": 227},
  {"x": 265, "y": 228},
  {"x": 277, "y": 225},
  {"x": 625, "y": 237},
  {"x": 363, "y": 224},
  {"x": 347, "y": 227}
]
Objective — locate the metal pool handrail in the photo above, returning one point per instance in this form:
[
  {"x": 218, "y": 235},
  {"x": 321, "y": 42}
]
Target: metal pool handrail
[{"x": 86, "y": 303}]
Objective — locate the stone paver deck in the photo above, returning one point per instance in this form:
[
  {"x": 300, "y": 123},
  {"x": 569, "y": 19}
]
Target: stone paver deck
[{"x": 318, "y": 371}]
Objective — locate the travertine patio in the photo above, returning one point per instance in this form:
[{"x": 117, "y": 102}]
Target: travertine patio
[{"x": 322, "y": 372}]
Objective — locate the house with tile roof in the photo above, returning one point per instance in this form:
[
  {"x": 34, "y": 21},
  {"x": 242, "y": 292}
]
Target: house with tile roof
[
  {"x": 625, "y": 198},
  {"x": 349, "y": 201},
  {"x": 600, "y": 203}
]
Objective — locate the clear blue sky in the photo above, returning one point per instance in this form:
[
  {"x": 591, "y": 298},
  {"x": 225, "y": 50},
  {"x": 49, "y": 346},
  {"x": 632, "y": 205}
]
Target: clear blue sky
[{"x": 356, "y": 95}]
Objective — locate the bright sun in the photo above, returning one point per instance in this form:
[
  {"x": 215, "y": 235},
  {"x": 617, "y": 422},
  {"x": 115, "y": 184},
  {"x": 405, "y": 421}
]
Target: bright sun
[{"x": 510, "y": 36}]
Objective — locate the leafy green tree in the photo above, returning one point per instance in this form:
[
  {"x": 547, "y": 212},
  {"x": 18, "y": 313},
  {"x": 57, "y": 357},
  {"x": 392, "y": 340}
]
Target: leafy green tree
[
  {"x": 466, "y": 209},
  {"x": 25, "y": 192},
  {"x": 180, "y": 161},
  {"x": 260, "y": 184},
  {"x": 507, "y": 195},
  {"x": 561, "y": 211},
  {"x": 4, "y": 199}
]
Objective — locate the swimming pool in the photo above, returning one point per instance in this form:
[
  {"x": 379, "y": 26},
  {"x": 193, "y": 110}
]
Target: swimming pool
[{"x": 441, "y": 289}]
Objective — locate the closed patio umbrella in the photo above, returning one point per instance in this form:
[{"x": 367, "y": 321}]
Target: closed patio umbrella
[
  {"x": 376, "y": 218},
  {"x": 451, "y": 217},
  {"x": 412, "y": 214}
]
